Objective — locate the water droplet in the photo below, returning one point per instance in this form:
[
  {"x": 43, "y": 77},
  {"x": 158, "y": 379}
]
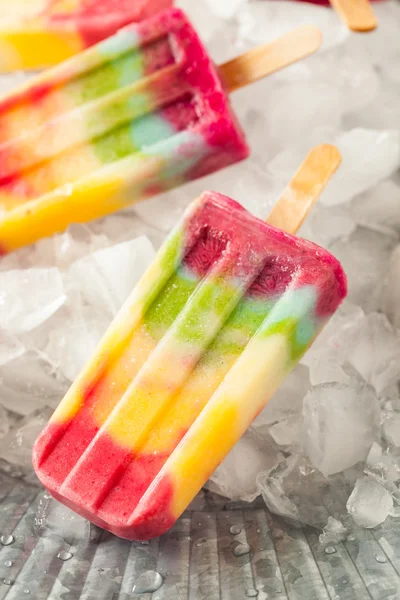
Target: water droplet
[
  {"x": 381, "y": 559},
  {"x": 330, "y": 550},
  {"x": 345, "y": 581},
  {"x": 251, "y": 593},
  {"x": 148, "y": 582},
  {"x": 64, "y": 555},
  {"x": 278, "y": 591},
  {"x": 351, "y": 538},
  {"x": 258, "y": 530},
  {"x": 8, "y": 563},
  {"x": 26, "y": 591},
  {"x": 7, "y": 582},
  {"x": 6, "y": 540},
  {"x": 242, "y": 549},
  {"x": 235, "y": 530}
]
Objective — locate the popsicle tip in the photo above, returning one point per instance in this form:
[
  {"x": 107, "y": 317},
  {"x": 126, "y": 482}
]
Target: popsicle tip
[
  {"x": 357, "y": 15},
  {"x": 365, "y": 28},
  {"x": 327, "y": 154},
  {"x": 312, "y": 34}
]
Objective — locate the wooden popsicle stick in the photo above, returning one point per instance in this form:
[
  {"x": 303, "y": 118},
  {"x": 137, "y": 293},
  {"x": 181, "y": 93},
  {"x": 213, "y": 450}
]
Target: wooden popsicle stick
[
  {"x": 269, "y": 58},
  {"x": 356, "y": 14},
  {"x": 291, "y": 210}
]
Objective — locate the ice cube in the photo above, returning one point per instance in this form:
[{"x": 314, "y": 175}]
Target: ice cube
[
  {"x": 164, "y": 211},
  {"x": 333, "y": 533},
  {"x": 75, "y": 243},
  {"x": 251, "y": 187},
  {"x": 225, "y": 9},
  {"x": 60, "y": 250},
  {"x": 369, "y": 504},
  {"x": 375, "y": 455},
  {"x": 237, "y": 474},
  {"x": 383, "y": 110},
  {"x": 367, "y": 343},
  {"x": 4, "y": 422},
  {"x": 288, "y": 432},
  {"x": 282, "y": 417},
  {"x": 341, "y": 422},
  {"x": 391, "y": 296},
  {"x": 278, "y": 106},
  {"x": 379, "y": 208},
  {"x": 28, "y": 298},
  {"x": 201, "y": 15},
  {"x": 331, "y": 346},
  {"x": 368, "y": 157},
  {"x": 279, "y": 165},
  {"x": 16, "y": 446},
  {"x": 261, "y": 22},
  {"x": 354, "y": 74},
  {"x": 350, "y": 73},
  {"x": 10, "y": 348},
  {"x": 287, "y": 402},
  {"x": 106, "y": 278},
  {"x": 391, "y": 429},
  {"x": 124, "y": 226},
  {"x": 273, "y": 486},
  {"x": 325, "y": 225},
  {"x": 384, "y": 467},
  {"x": 15, "y": 260},
  {"x": 71, "y": 344},
  {"x": 300, "y": 493},
  {"x": 374, "y": 350},
  {"x": 365, "y": 258},
  {"x": 27, "y": 384},
  {"x": 324, "y": 371}
]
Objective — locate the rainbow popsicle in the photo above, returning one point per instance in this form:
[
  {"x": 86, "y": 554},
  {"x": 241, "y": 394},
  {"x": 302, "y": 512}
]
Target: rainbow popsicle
[
  {"x": 221, "y": 317},
  {"x": 42, "y": 33},
  {"x": 143, "y": 111}
]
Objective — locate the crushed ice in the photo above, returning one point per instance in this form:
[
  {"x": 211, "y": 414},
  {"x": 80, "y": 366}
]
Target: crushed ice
[{"x": 326, "y": 450}]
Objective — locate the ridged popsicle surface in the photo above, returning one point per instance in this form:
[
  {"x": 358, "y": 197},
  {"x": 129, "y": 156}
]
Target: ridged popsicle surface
[{"x": 221, "y": 317}]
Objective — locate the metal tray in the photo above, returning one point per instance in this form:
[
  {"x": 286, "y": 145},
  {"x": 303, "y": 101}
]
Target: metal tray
[{"x": 203, "y": 557}]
